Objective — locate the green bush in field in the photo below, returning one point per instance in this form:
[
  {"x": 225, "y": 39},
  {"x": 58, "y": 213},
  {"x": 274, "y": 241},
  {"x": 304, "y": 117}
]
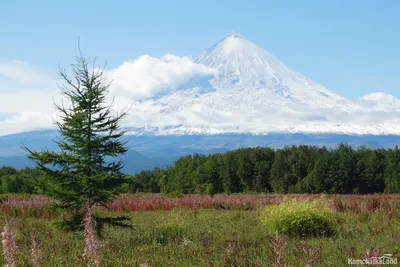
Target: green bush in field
[
  {"x": 169, "y": 232},
  {"x": 171, "y": 229},
  {"x": 299, "y": 218}
]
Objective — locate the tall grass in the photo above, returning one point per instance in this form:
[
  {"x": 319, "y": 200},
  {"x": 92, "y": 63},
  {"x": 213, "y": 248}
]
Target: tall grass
[
  {"x": 35, "y": 205},
  {"x": 197, "y": 230}
]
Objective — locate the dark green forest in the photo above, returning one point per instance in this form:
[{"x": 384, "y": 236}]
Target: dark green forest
[{"x": 296, "y": 169}]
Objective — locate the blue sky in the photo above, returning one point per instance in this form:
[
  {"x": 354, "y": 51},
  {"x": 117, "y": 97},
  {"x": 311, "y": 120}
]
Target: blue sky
[{"x": 350, "y": 47}]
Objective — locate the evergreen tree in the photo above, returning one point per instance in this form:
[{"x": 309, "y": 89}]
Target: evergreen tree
[
  {"x": 144, "y": 181},
  {"x": 212, "y": 172},
  {"x": 244, "y": 169},
  {"x": 81, "y": 173},
  {"x": 318, "y": 180},
  {"x": 282, "y": 174},
  {"x": 392, "y": 172},
  {"x": 7, "y": 171},
  {"x": 342, "y": 171},
  {"x": 230, "y": 181},
  {"x": 263, "y": 159},
  {"x": 370, "y": 169}
]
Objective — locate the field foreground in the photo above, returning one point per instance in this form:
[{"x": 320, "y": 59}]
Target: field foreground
[{"x": 199, "y": 230}]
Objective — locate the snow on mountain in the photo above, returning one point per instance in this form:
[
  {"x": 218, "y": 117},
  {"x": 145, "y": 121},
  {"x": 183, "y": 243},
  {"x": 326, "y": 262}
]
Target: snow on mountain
[
  {"x": 251, "y": 91},
  {"x": 247, "y": 67}
]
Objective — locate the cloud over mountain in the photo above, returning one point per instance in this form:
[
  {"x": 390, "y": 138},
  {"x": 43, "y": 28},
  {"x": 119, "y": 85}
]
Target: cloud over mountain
[
  {"x": 147, "y": 76},
  {"x": 381, "y": 101}
]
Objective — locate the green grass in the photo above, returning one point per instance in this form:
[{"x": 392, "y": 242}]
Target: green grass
[{"x": 213, "y": 238}]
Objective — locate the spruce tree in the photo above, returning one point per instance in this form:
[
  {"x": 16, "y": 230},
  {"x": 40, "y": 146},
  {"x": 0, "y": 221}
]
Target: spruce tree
[
  {"x": 82, "y": 173},
  {"x": 392, "y": 172}
]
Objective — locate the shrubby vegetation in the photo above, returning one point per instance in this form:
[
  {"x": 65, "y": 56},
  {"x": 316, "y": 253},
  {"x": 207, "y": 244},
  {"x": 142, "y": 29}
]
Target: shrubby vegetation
[
  {"x": 18, "y": 181},
  {"x": 300, "y": 218},
  {"x": 296, "y": 169}
]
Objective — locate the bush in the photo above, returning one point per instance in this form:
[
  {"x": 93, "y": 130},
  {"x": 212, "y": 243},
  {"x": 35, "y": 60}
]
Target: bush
[
  {"x": 175, "y": 195},
  {"x": 170, "y": 232},
  {"x": 172, "y": 229},
  {"x": 299, "y": 218},
  {"x": 204, "y": 189}
]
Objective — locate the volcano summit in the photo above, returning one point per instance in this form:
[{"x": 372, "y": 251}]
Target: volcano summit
[{"x": 249, "y": 91}]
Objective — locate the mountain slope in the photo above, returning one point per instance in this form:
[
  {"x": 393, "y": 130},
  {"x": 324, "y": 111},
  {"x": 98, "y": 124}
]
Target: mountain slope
[
  {"x": 256, "y": 93},
  {"x": 247, "y": 67}
]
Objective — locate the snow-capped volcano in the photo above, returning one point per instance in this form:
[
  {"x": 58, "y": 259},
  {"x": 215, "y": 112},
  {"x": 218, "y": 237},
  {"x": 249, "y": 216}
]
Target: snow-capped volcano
[
  {"x": 249, "y": 68},
  {"x": 251, "y": 91}
]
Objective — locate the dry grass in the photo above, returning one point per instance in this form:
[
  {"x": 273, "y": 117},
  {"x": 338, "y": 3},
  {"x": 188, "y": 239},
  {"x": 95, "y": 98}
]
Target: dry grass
[
  {"x": 9, "y": 244},
  {"x": 389, "y": 203},
  {"x": 35, "y": 252}
]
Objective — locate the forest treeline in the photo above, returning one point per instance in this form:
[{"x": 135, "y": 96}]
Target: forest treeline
[{"x": 296, "y": 169}]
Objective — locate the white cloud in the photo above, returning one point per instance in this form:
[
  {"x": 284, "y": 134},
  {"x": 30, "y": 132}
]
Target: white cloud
[
  {"x": 148, "y": 76},
  {"x": 23, "y": 72},
  {"x": 26, "y": 96},
  {"x": 26, "y": 121},
  {"x": 15, "y": 102},
  {"x": 380, "y": 101}
]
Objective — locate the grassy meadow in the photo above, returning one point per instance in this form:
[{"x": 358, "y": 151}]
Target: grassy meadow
[{"x": 197, "y": 230}]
